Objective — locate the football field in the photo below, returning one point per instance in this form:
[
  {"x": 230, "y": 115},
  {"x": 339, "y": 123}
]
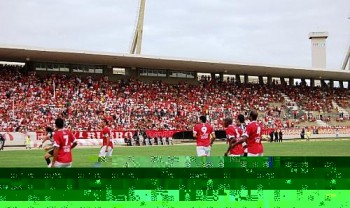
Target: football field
[{"x": 87, "y": 157}]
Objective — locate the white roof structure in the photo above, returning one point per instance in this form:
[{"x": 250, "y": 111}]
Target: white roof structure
[{"x": 23, "y": 54}]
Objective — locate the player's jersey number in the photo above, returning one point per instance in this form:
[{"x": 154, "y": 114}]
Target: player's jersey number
[
  {"x": 257, "y": 140},
  {"x": 66, "y": 138},
  {"x": 204, "y": 132},
  {"x": 258, "y": 132},
  {"x": 66, "y": 148},
  {"x": 237, "y": 134}
]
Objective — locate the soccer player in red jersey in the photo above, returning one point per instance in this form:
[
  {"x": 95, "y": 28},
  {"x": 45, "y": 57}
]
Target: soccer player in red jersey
[
  {"x": 252, "y": 136},
  {"x": 64, "y": 142},
  {"x": 233, "y": 134},
  {"x": 107, "y": 145},
  {"x": 241, "y": 124},
  {"x": 205, "y": 136}
]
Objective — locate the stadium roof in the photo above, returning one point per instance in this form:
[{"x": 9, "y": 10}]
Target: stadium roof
[{"x": 17, "y": 54}]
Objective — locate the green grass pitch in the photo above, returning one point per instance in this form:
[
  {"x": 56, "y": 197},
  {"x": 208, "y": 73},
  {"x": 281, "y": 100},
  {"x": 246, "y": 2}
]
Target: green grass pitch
[{"x": 87, "y": 157}]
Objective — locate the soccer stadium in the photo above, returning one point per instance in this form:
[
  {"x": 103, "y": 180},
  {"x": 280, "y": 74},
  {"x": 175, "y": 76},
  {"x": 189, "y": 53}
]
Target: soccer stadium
[{"x": 130, "y": 110}]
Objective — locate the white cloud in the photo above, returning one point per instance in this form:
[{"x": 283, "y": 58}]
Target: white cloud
[{"x": 270, "y": 31}]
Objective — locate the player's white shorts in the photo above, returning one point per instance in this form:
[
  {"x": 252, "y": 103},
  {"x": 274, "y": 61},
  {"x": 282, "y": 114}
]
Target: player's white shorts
[
  {"x": 62, "y": 165},
  {"x": 232, "y": 155},
  {"x": 103, "y": 152},
  {"x": 203, "y": 151},
  {"x": 256, "y": 155}
]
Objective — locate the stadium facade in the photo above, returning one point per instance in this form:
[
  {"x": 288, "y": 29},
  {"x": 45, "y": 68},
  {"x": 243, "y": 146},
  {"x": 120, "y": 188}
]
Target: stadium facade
[{"x": 171, "y": 70}]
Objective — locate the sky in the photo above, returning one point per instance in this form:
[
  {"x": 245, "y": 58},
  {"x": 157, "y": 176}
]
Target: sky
[{"x": 273, "y": 32}]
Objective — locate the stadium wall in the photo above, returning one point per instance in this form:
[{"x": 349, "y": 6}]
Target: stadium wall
[
  {"x": 17, "y": 138},
  {"x": 93, "y": 138}
]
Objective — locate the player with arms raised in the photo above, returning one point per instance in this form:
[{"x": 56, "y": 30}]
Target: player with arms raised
[
  {"x": 252, "y": 137},
  {"x": 233, "y": 134},
  {"x": 64, "y": 142},
  {"x": 107, "y": 145},
  {"x": 205, "y": 136}
]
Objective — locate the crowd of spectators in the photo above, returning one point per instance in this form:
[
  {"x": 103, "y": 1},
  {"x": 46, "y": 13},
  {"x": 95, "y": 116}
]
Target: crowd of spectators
[
  {"x": 316, "y": 103},
  {"x": 33, "y": 101},
  {"x": 311, "y": 99}
]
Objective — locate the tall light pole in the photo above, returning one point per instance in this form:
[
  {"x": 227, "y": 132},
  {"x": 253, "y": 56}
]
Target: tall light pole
[
  {"x": 137, "y": 40},
  {"x": 347, "y": 57},
  {"x": 346, "y": 60}
]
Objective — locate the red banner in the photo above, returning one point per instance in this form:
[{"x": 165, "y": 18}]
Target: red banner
[
  {"x": 170, "y": 133},
  {"x": 118, "y": 134},
  {"x": 98, "y": 134},
  {"x": 122, "y": 134},
  {"x": 160, "y": 133}
]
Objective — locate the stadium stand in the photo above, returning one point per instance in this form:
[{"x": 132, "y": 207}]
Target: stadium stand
[{"x": 33, "y": 102}]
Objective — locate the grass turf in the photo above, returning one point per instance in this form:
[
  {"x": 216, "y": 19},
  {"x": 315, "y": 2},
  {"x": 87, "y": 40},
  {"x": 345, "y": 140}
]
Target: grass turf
[{"x": 87, "y": 157}]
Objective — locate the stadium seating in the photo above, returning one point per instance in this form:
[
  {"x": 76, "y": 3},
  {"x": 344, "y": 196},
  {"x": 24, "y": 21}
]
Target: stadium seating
[{"x": 33, "y": 102}]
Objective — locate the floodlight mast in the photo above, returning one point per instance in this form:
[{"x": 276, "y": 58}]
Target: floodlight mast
[
  {"x": 347, "y": 57},
  {"x": 346, "y": 60},
  {"x": 137, "y": 40}
]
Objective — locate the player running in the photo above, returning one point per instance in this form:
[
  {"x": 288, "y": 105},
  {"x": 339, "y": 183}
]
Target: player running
[
  {"x": 64, "y": 142},
  {"x": 233, "y": 134},
  {"x": 205, "y": 137},
  {"x": 47, "y": 145},
  {"x": 252, "y": 137},
  {"x": 107, "y": 145}
]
